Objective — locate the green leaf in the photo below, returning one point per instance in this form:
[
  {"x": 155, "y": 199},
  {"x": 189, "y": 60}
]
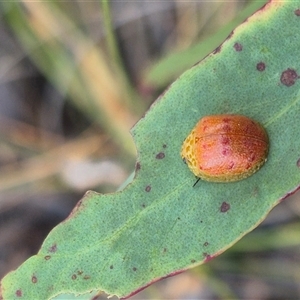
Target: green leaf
[{"x": 159, "y": 225}]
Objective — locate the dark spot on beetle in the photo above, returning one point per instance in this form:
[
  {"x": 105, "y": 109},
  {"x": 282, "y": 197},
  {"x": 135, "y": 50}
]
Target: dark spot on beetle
[
  {"x": 148, "y": 188},
  {"x": 74, "y": 276},
  {"x": 251, "y": 157},
  {"x": 86, "y": 277},
  {"x": 298, "y": 163},
  {"x": 238, "y": 47},
  {"x": 217, "y": 50},
  {"x": 111, "y": 267},
  {"x": 248, "y": 166},
  {"x": 34, "y": 279},
  {"x": 137, "y": 166},
  {"x": 260, "y": 66},
  {"x": 224, "y": 207},
  {"x": 19, "y": 293},
  {"x": 134, "y": 269},
  {"x": 226, "y": 128},
  {"x": 231, "y": 165},
  {"x": 79, "y": 272},
  {"x": 289, "y": 77},
  {"x": 193, "y": 261},
  {"x": 47, "y": 257},
  {"x": 160, "y": 155},
  {"x": 297, "y": 12},
  {"x": 164, "y": 146},
  {"x": 53, "y": 248},
  {"x": 225, "y": 151},
  {"x": 196, "y": 140},
  {"x": 205, "y": 244},
  {"x": 226, "y": 120},
  {"x": 225, "y": 140}
]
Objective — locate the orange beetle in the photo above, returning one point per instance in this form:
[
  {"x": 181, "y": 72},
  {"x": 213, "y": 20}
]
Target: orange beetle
[{"x": 224, "y": 148}]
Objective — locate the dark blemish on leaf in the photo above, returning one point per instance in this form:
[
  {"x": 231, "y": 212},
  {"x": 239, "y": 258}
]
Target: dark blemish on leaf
[
  {"x": 298, "y": 163},
  {"x": 111, "y": 267},
  {"x": 201, "y": 221},
  {"x": 178, "y": 218},
  {"x": 297, "y": 12},
  {"x": 74, "y": 276},
  {"x": 86, "y": 277},
  {"x": 205, "y": 244},
  {"x": 238, "y": 47},
  {"x": 53, "y": 248},
  {"x": 217, "y": 50},
  {"x": 148, "y": 188},
  {"x": 207, "y": 257},
  {"x": 137, "y": 166},
  {"x": 193, "y": 261},
  {"x": 288, "y": 77},
  {"x": 164, "y": 146},
  {"x": 19, "y": 293},
  {"x": 79, "y": 272},
  {"x": 47, "y": 257},
  {"x": 160, "y": 155},
  {"x": 260, "y": 66},
  {"x": 230, "y": 35},
  {"x": 165, "y": 250},
  {"x": 134, "y": 269},
  {"x": 34, "y": 279},
  {"x": 224, "y": 207},
  {"x": 143, "y": 205}
]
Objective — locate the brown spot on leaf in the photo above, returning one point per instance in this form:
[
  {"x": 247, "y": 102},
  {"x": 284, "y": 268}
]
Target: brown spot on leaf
[
  {"x": 111, "y": 267},
  {"x": 148, "y": 188},
  {"x": 164, "y": 146},
  {"x": 143, "y": 205},
  {"x": 160, "y": 155},
  {"x": 134, "y": 269},
  {"x": 165, "y": 249},
  {"x": 238, "y": 47},
  {"x": 86, "y": 277},
  {"x": 217, "y": 50},
  {"x": 224, "y": 207},
  {"x": 298, "y": 163},
  {"x": 260, "y": 66},
  {"x": 193, "y": 261},
  {"x": 297, "y": 12},
  {"x": 74, "y": 276},
  {"x": 289, "y": 77},
  {"x": 53, "y": 248},
  {"x": 137, "y": 166},
  {"x": 47, "y": 257},
  {"x": 19, "y": 293},
  {"x": 207, "y": 257},
  {"x": 79, "y": 272},
  {"x": 205, "y": 244},
  {"x": 34, "y": 279}
]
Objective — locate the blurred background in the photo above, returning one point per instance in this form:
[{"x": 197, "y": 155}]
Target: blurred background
[{"x": 75, "y": 76}]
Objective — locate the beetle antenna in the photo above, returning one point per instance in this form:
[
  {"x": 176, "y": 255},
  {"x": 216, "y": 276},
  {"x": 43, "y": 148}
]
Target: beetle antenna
[{"x": 197, "y": 181}]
